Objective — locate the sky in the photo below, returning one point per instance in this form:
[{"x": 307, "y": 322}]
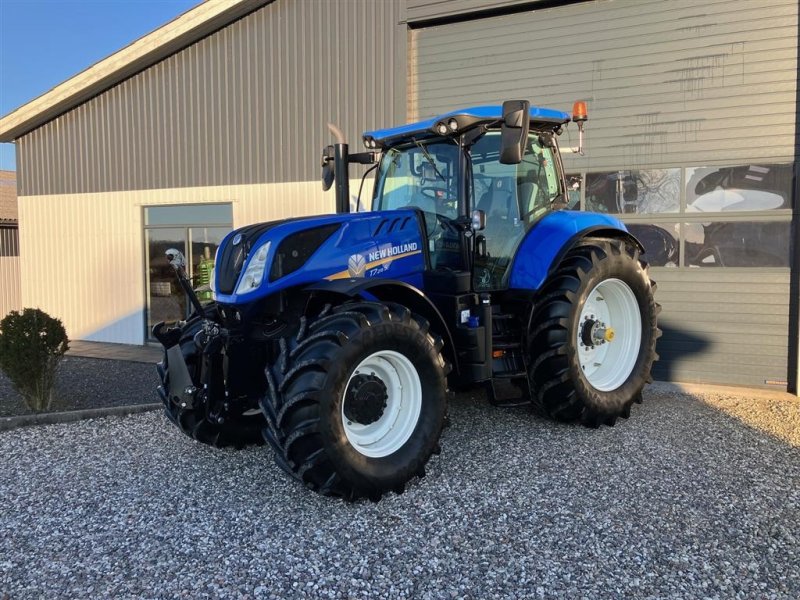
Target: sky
[{"x": 45, "y": 42}]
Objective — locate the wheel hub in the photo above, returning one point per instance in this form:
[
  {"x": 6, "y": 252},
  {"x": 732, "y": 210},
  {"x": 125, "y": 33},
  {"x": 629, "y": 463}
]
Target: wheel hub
[
  {"x": 594, "y": 332},
  {"x": 365, "y": 400}
]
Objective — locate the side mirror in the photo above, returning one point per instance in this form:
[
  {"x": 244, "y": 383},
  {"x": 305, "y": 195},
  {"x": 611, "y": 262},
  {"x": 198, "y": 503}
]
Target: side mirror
[
  {"x": 328, "y": 174},
  {"x": 514, "y": 132},
  {"x": 478, "y": 220}
]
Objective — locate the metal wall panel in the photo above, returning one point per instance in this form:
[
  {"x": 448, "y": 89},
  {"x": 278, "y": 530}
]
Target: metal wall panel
[
  {"x": 667, "y": 83},
  {"x": 10, "y": 293},
  {"x": 9, "y": 241},
  {"x": 423, "y": 10},
  {"x": 724, "y": 326},
  {"x": 245, "y": 105}
]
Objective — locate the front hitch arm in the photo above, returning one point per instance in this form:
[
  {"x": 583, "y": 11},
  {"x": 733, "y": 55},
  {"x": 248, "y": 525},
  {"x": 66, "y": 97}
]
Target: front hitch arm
[
  {"x": 211, "y": 340},
  {"x": 178, "y": 262}
]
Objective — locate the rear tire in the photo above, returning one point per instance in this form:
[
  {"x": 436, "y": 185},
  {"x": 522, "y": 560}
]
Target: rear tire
[
  {"x": 237, "y": 431},
  {"x": 357, "y": 399},
  {"x": 593, "y": 333}
]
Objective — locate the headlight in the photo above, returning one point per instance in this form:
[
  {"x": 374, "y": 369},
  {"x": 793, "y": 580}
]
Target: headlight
[{"x": 254, "y": 273}]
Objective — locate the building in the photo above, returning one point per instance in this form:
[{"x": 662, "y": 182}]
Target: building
[
  {"x": 10, "y": 297},
  {"x": 217, "y": 119}
]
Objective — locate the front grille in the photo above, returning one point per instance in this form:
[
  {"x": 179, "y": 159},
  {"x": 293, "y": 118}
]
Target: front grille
[{"x": 295, "y": 250}]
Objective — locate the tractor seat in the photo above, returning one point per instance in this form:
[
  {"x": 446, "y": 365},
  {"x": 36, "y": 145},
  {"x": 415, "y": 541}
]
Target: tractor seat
[{"x": 498, "y": 201}]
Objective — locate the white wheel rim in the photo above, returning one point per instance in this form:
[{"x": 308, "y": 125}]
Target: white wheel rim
[
  {"x": 403, "y": 405},
  {"x": 605, "y": 363}
]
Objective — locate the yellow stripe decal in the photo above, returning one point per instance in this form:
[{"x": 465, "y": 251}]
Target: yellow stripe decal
[{"x": 376, "y": 263}]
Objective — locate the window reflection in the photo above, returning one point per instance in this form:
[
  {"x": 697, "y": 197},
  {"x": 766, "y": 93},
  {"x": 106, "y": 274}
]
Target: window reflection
[
  {"x": 743, "y": 188},
  {"x": 634, "y": 192},
  {"x": 574, "y": 186},
  {"x": 661, "y": 242},
  {"x": 738, "y": 244}
]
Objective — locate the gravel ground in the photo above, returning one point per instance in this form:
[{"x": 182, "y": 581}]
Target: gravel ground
[
  {"x": 777, "y": 414},
  {"x": 89, "y": 383},
  {"x": 682, "y": 500}
]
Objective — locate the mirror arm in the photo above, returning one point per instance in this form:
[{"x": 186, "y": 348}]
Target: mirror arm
[{"x": 363, "y": 158}]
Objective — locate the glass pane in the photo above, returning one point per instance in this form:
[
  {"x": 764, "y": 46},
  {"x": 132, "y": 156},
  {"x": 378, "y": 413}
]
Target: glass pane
[
  {"x": 166, "y": 301},
  {"x": 661, "y": 242},
  {"x": 634, "y": 192},
  {"x": 743, "y": 244},
  {"x": 422, "y": 175},
  {"x": 189, "y": 214},
  {"x": 574, "y": 185},
  {"x": 745, "y": 188},
  {"x": 204, "y": 242},
  {"x": 513, "y": 197}
]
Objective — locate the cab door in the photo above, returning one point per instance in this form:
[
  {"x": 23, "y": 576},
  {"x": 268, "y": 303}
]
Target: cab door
[{"x": 513, "y": 198}]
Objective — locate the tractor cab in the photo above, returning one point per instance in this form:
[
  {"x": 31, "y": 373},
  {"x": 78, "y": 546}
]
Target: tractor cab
[
  {"x": 451, "y": 181},
  {"x": 482, "y": 177}
]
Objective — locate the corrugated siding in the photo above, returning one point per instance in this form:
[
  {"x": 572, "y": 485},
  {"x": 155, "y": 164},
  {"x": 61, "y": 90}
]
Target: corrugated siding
[
  {"x": 9, "y": 241},
  {"x": 727, "y": 326},
  {"x": 667, "y": 83},
  {"x": 245, "y": 105},
  {"x": 423, "y": 10},
  {"x": 10, "y": 293}
]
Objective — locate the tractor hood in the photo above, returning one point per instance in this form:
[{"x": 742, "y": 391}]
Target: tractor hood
[{"x": 258, "y": 260}]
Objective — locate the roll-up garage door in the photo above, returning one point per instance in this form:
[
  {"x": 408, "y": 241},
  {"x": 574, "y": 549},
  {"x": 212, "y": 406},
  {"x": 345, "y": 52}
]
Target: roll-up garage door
[{"x": 690, "y": 139}]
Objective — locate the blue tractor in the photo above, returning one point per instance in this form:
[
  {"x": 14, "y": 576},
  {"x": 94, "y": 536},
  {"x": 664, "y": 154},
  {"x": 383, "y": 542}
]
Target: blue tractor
[{"x": 338, "y": 338}]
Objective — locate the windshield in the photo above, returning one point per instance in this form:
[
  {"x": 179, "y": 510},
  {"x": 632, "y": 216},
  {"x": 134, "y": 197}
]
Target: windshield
[{"x": 422, "y": 174}]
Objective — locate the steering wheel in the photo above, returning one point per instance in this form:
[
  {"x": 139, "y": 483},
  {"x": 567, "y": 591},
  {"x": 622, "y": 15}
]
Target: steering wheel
[{"x": 431, "y": 192}]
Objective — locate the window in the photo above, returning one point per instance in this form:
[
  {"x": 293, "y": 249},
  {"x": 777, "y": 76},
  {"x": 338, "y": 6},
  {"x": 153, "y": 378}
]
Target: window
[
  {"x": 634, "y": 192},
  {"x": 738, "y": 244},
  {"x": 513, "y": 198},
  {"x": 729, "y": 216},
  {"x": 421, "y": 175},
  {"x": 661, "y": 242},
  {"x": 739, "y": 189},
  {"x": 196, "y": 231}
]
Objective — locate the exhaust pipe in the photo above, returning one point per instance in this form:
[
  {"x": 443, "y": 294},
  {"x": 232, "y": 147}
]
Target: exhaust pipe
[{"x": 341, "y": 170}]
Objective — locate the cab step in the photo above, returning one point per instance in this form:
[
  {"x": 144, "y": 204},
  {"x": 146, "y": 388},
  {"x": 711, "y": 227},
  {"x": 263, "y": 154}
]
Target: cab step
[{"x": 499, "y": 392}]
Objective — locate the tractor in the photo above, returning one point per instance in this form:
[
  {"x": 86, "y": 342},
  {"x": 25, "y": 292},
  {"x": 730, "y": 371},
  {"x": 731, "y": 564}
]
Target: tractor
[{"x": 337, "y": 339}]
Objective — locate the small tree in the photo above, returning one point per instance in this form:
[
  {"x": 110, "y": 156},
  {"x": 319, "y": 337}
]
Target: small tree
[{"x": 32, "y": 344}]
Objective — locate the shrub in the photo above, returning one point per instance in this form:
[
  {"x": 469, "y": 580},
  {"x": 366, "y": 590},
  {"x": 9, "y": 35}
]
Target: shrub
[{"x": 32, "y": 344}]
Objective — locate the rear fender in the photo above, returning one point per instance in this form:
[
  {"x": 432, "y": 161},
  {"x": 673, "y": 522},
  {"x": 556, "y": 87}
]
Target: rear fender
[
  {"x": 385, "y": 290},
  {"x": 550, "y": 239}
]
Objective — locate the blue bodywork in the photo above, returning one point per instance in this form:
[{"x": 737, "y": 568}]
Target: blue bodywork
[
  {"x": 548, "y": 239},
  {"x": 475, "y": 115},
  {"x": 351, "y": 251}
]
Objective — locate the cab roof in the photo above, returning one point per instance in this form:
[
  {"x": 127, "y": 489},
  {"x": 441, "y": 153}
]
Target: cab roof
[{"x": 466, "y": 118}]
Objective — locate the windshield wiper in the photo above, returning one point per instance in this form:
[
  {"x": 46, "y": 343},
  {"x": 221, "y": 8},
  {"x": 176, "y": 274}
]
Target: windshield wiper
[{"x": 429, "y": 158}]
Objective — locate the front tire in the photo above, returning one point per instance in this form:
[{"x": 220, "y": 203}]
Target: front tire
[
  {"x": 593, "y": 333},
  {"x": 357, "y": 400}
]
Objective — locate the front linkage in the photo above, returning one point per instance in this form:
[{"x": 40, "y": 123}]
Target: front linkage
[{"x": 193, "y": 383}]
